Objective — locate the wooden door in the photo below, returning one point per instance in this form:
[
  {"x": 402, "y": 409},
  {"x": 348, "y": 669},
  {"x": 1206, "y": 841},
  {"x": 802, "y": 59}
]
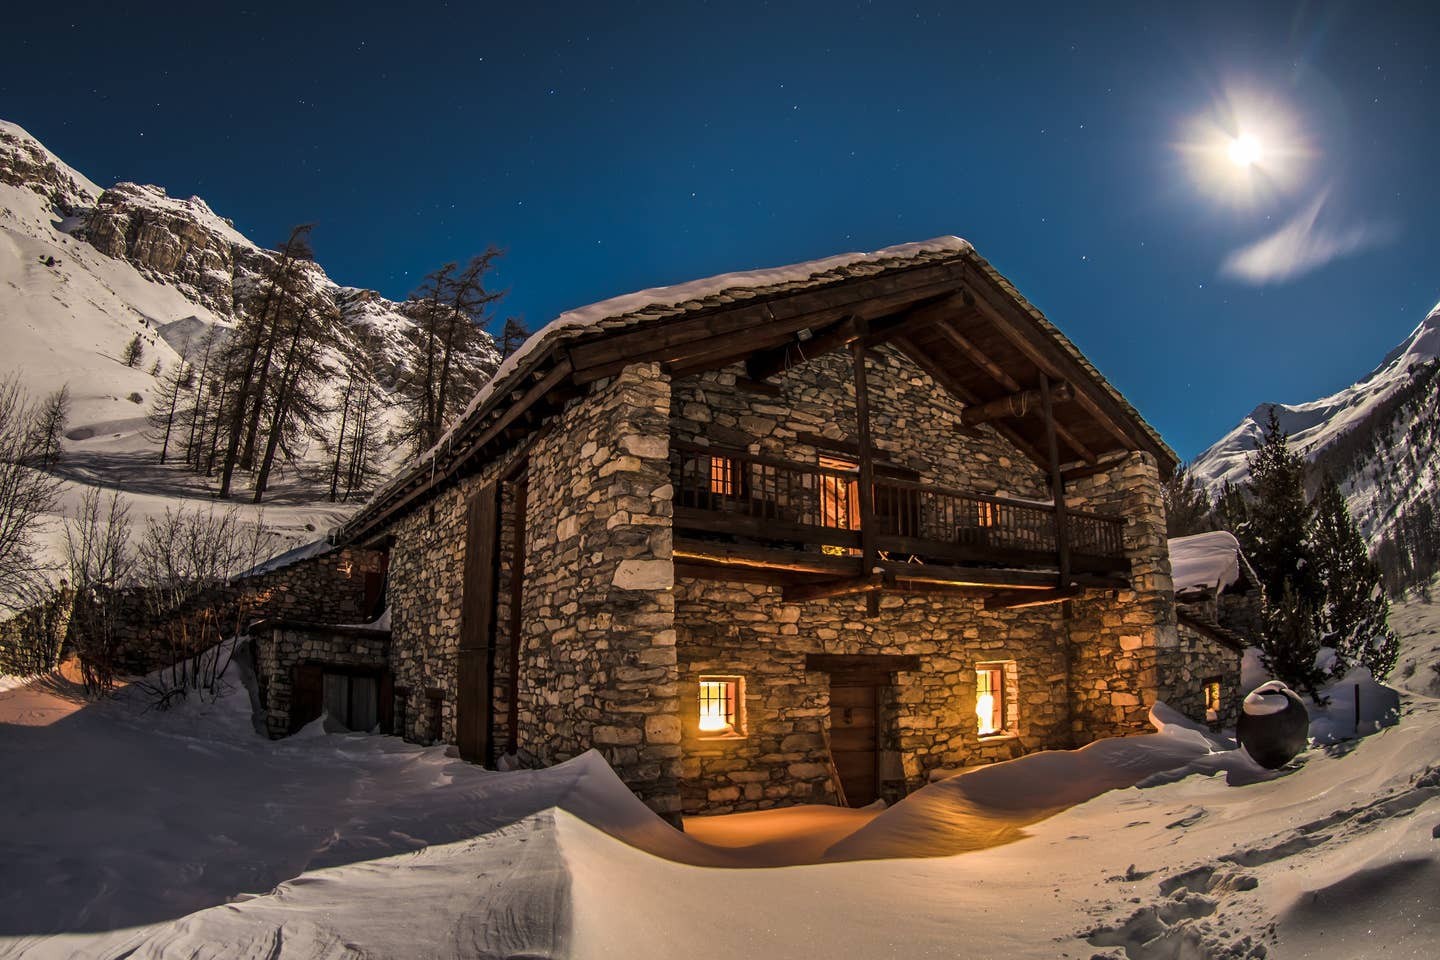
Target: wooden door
[
  {"x": 474, "y": 670},
  {"x": 307, "y": 694},
  {"x": 854, "y": 740}
]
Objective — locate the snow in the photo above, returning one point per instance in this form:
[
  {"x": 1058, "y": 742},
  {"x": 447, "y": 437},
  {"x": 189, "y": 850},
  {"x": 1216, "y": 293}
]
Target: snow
[
  {"x": 306, "y": 551},
  {"x": 1266, "y": 699},
  {"x": 1205, "y": 560},
  {"x": 130, "y": 832}
]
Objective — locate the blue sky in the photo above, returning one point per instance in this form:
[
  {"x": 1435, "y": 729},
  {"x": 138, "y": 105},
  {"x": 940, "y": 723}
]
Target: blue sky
[{"x": 609, "y": 147}]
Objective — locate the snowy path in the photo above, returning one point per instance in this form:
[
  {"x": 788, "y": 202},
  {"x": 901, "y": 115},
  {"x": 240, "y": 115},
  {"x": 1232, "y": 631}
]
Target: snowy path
[{"x": 131, "y": 834}]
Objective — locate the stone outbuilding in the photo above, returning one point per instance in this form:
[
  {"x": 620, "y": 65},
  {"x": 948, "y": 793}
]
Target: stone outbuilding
[
  {"x": 1219, "y": 604},
  {"x": 797, "y": 535}
]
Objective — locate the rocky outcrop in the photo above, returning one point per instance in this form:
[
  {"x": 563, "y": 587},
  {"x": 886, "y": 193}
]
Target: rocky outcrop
[
  {"x": 167, "y": 240},
  {"x": 25, "y": 163}
]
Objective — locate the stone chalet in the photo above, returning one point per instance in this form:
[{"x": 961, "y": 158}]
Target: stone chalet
[{"x": 768, "y": 538}]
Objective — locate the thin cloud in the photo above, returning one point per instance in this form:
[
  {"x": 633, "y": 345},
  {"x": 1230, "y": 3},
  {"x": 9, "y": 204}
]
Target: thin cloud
[{"x": 1303, "y": 244}]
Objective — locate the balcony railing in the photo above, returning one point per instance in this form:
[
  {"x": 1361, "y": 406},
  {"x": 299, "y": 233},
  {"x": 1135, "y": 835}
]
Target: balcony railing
[{"x": 726, "y": 491}]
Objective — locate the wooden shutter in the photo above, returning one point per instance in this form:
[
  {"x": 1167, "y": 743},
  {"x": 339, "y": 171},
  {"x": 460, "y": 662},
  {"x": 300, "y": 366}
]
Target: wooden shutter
[
  {"x": 477, "y": 623},
  {"x": 307, "y": 694}
]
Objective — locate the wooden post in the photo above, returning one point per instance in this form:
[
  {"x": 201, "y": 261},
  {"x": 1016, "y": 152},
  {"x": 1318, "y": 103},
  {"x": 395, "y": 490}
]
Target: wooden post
[
  {"x": 1057, "y": 483},
  {"x": 867, "y": 469}
]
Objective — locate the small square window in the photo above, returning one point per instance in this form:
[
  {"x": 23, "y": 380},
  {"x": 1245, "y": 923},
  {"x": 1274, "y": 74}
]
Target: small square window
[
  {"x": 719, "y": 701},
  {"x": 997, "y": 699},
  {"x": 1212, "y": 700}
]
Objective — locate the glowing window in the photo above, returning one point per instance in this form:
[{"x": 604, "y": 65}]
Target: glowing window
[
  {"x": 839, "y": 496},
  {"x": 719, "y": 706},
  {"x": 724, "y": 477},
  {"x": 987, "y": 514},
  {"x": 990, "y": 699},
  {"x": 1212, "y": 700}
]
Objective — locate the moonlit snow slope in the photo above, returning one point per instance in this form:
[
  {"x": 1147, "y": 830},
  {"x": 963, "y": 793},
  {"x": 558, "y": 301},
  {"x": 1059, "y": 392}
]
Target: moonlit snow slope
[{"x": 126, "y": 833}]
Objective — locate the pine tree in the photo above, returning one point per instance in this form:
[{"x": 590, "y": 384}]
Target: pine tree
[
  {"x": 166, "y": 403},
  {"x": 1231, "y": 510},
  {"x": 1290, "y": 640},
  {"x": 133, "y": 353},
  {"x": 514, "y": 335},
  {"x": 1187, "y": 505},
  {"x": 1355, "y": 617},
  {"x": 47, "y": 427},
  {"x": 449, "y": 309},
  {"x": 295, "y": 407},
  {"x": 248, "y": 361},
  {"x": 1276, "y": 537}
]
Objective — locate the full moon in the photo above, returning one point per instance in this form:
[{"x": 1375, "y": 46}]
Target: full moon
[{"x": 1244, "y": 151}]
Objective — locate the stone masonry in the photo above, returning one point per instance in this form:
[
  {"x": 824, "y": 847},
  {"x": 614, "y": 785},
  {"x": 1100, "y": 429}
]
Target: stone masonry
[{"x": 279, "y": 646}]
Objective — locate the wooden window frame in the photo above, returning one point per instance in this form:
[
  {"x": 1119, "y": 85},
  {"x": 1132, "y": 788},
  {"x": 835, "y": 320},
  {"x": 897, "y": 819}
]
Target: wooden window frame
[
  {"x": 734, "y": 481},
  {"x": 734, "y": 706},
  {"x": 1213, "y": 704},
  {"x": 1005, "y": 697}
]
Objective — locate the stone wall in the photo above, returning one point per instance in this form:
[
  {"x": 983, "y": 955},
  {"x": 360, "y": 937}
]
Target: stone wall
[
  {"x": 32, "y": 640},
  {"x": 1120, "y": 646},
  {"x": 427, "y": 564},
  {"x": 746, "y": 629},
  {"x": 328, "y": 588},
  {"x": 1198, "y": 658},
  {"x": 732, "y": 628},
  {"x": 280, "y": 646},
  {"x": 597, "y": 659},
  {"x": 913, "y": 421},
  {"x": 598, "y": 643}
]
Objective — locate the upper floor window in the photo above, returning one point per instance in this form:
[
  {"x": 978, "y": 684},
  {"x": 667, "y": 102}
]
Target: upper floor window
[
  {"x": 725, "y": 476},
  {"x": 839, "y": 496}
]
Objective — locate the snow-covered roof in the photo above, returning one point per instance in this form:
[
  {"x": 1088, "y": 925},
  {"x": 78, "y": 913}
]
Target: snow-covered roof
[
  {"x": 709, "y": 294},
  {"x": 1205, "y": 561}
]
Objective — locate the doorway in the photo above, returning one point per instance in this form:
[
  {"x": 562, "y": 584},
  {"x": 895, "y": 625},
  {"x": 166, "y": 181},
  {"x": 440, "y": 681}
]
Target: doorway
[{"x": 855, "y": 738}]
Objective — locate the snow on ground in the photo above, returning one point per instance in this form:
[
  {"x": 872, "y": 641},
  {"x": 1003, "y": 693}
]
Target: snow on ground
[{"x": 184, "y": 834}]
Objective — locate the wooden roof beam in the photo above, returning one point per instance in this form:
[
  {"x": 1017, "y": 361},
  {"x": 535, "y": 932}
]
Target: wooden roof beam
[
  {"x": 997, "y": 373},
  {"x": 881, "y": 330},
  {"x": 1018, "y": 404},
  {"x": 1029, "y": 343},
  {"x": 978, "y": 357},
  {"x": 806, "y": 345},
  {"x": 1020, "y": 599},
  {"x": 943, "y": 377},
  {"x": 846, "y": 587},
  {"x": 666, "y": 338}
]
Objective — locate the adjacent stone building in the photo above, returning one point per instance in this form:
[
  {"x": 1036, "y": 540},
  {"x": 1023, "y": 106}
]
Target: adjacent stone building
[{"x": 787, "y": 536}]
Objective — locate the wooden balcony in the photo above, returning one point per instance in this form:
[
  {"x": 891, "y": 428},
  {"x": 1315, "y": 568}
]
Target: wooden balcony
[{"x": 735, "y": 509}]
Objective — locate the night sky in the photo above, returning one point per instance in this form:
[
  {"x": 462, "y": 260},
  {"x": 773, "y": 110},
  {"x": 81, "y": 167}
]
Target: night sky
[{"x": 1083, "y": 148}]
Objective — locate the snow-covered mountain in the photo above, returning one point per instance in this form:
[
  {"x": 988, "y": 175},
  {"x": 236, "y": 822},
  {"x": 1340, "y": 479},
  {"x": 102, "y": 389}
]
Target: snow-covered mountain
[
  {"x": 1379, "y": 437},
  {"x": 83, "y": 269}
]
